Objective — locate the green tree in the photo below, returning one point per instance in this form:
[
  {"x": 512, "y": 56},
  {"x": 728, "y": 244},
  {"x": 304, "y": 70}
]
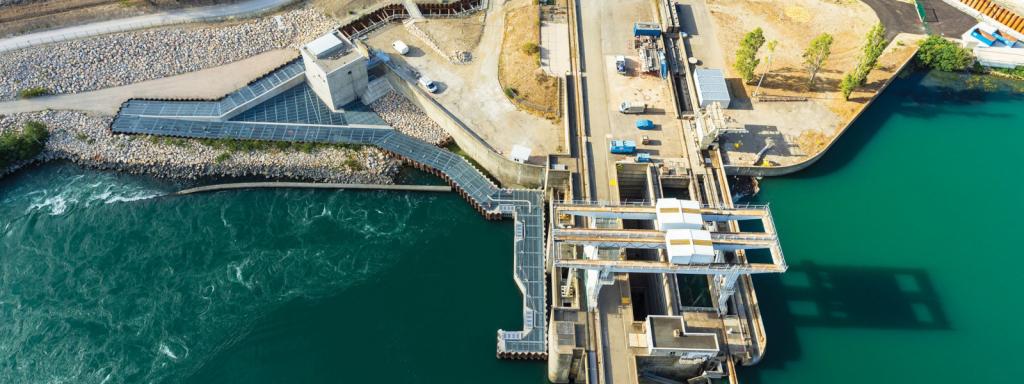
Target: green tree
[
  {"x": 874, "y": 45},
  {"x": 746, "y": 55},
  {"x": 816, "y": 54},
  {"x": 944, "y": 55},
  {"x": 847, "y": 85},
  {"x": 771, "y": 52}
]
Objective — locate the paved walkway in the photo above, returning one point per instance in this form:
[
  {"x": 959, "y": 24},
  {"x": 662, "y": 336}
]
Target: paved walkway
[
  {"x": 210, "y": 83},
  {"x": 214, "y": 12}
]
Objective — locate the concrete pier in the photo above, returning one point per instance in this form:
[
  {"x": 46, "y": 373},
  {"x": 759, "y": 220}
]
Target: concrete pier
[{"x": 278, "y": 184}]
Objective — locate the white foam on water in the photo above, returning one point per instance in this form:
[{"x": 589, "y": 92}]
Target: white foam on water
[
  {"x": 133, "y": 197},
  {"x": 164, "y": 349}
]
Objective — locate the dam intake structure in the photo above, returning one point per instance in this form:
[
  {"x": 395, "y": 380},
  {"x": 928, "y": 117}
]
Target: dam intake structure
[{"x": 281, "y": 106}]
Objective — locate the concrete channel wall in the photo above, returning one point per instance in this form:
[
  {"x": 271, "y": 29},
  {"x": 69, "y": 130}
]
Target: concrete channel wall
[
  {"x": 757, "y": 171},
  {"x": 508, "y": 172},
  {"x": 285, "y": 184}
]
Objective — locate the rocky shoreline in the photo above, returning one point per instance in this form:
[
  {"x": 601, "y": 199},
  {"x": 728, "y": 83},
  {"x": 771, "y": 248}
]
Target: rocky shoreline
[
  {"x": 125, "y": 58},
  {"x": 85, "y": 139}
]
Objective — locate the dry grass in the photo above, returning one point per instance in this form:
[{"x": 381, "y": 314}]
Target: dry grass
[
  {"x": 794, "y": 23},
  {"x": 519, "y": 70}
]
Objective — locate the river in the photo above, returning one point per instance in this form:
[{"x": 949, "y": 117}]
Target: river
[{"x": 898, "y": 271}]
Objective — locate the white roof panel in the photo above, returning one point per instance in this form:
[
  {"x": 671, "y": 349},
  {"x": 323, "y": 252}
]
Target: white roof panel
[{"x": 323, "y": 45}]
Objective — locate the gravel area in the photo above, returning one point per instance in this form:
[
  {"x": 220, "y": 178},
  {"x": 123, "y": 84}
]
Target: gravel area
[
  {"x": 407, "y": 118},
  {"x": 131, "y": 57},
  {"x": 86, "y": 139}
]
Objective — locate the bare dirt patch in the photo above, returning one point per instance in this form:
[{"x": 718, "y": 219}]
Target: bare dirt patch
[
  {"x": 519, "y": 70},
  {"x": 453, "y": 35},
  {"x": 794, "y": 23}
]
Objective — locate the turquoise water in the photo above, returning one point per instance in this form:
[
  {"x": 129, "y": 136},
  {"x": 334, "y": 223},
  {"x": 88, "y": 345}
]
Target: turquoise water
[
  {"x": 900, "y": 243},
  {"x": 106, "y": 279}
]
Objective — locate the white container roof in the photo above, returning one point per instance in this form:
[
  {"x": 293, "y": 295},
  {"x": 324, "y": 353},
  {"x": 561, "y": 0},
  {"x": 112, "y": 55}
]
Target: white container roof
[
  {"x": 689, "y": 244},
  {"x": 711, "y": 84},
  {"x": 678, "y": 214}
]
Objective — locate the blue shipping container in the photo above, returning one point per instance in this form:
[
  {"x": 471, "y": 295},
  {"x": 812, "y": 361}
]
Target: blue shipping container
[
  {"x": 623, "y": 147},
  {"x": 646, "y": 29}
]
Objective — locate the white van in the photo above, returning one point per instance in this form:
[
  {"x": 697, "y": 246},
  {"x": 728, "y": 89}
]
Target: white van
[
  {"x": 400, "y": 46},
  {"x": 632, "y": 107},
  {"x": 428, "y": 84}
]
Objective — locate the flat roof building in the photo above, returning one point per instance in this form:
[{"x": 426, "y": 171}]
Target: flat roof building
[
  {"x": 711, "y": 87},
  {"x": 336, "y": 69}
]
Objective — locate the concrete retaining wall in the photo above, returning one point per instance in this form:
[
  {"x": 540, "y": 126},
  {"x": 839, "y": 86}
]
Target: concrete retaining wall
[
  {"x": 744, "y": 170},
  {"x": 509, "y": 173}
]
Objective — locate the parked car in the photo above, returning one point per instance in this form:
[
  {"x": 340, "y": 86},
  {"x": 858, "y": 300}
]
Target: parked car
[
  {"x": 646, "y": 140},
  {"x": 400, "y": 47},
  {"x": 644, "y": 124},
  {"x": 428, "y": 84},
  {"x": 620, "y": 64},
  {"x": 632, "y": 107}
]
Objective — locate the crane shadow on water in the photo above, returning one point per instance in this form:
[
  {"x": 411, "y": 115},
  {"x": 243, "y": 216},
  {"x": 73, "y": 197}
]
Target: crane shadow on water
[{"x": 828, "y": 296}]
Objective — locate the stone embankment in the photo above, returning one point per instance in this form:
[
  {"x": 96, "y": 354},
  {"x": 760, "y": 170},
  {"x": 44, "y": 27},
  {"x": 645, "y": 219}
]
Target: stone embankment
[
  {"x": 126, "y": 58},
  {"x": 407, "y": 118},
  {"x": 85, "y": 139}
]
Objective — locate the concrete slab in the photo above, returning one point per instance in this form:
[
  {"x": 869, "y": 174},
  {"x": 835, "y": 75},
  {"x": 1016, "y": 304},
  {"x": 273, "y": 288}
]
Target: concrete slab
[{"x": 554, "y": 48}]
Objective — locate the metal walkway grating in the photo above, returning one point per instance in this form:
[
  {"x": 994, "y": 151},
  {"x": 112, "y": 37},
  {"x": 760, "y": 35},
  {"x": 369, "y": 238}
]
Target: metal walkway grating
[{"x": 298, "y": 115}]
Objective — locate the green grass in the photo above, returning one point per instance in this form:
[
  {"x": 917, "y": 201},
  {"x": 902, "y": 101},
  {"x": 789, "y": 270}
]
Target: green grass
[
  {"x": 1017, "y": 73},
  {"x": 29, "y": 93},
  {"x": 224, "y": 156},
  {"x": 26, "y": 145},
  {"x": 232, "y": 145}
]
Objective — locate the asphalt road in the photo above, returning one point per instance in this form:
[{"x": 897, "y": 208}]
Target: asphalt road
[
  {"x": 897, "y": 17},
  {"x": 212, "y": 12}
]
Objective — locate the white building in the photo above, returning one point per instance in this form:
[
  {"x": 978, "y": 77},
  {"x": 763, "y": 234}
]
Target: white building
[{"x": 335, "y": 69}]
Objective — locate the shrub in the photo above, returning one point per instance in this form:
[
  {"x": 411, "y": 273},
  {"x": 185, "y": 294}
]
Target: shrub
[
  {"x": 29, "y": 93},
  {"x": 222, "y": 157},
  {"x": 847, "y": 85},
  {"x": 944, "y": 55},
  {"x": 15, "y": 147},
  {"x": 531, "y": 49}
]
